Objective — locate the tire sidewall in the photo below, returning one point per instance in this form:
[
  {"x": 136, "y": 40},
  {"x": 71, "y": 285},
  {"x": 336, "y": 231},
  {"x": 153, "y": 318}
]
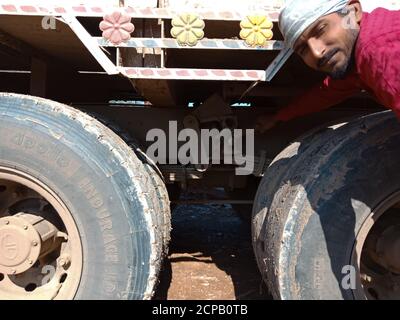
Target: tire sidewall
[
  {"x": 93, "y": 185},
  {"x": 327, "y": 213}
]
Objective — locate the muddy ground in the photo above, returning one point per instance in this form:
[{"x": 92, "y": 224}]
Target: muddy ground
[{"x": 210, "y": 257}]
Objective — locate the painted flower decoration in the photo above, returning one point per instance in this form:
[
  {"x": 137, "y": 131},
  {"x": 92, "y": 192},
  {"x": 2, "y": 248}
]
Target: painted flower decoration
[
  {"x": 117, "y": 27},
  {"x": 187, "y": 29},
  {"x": 256, "y": 30}
]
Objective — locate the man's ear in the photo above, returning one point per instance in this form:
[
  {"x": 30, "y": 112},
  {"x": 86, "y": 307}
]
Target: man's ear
[{"x": 356, "y": 8}]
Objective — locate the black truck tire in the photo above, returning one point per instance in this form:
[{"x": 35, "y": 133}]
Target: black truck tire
[
  {"x": 121, "y": 222},
  {"x": 313, "y": 200},
  {"x": 163, "y": 205}
]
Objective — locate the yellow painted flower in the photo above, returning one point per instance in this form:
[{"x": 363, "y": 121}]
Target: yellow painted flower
[
  {"x": 187, "y": 29},
  {"x": 256, "y": 30}
]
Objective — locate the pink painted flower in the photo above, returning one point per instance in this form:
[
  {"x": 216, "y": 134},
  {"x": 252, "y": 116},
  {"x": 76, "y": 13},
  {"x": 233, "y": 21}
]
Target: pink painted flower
[{"x": 117, "y": 27}]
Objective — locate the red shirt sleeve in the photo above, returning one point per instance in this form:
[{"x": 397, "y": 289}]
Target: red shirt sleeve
[
  {"x": 381, "y": 67},
  {"x": 322, "y": 96}
]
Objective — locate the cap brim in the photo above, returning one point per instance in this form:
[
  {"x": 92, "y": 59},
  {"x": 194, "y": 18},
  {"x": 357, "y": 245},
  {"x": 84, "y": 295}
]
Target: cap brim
[{"x": 278, "y": 63}]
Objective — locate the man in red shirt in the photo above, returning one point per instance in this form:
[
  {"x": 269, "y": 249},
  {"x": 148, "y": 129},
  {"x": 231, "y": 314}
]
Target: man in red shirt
[{"x": 358, "y": 51}]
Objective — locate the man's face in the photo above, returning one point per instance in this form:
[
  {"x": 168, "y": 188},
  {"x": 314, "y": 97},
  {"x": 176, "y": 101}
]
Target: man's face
[{"x": 328, "y": 44}]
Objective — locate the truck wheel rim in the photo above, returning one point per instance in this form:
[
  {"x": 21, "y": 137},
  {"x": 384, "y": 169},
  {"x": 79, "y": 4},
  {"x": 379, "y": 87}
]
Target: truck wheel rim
[
  {"x": 376, "y": 253},
  {"x": 40, "y": 246}
]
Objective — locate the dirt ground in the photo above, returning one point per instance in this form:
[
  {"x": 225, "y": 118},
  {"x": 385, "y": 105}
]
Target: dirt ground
[{"x": 210, "y": 257}]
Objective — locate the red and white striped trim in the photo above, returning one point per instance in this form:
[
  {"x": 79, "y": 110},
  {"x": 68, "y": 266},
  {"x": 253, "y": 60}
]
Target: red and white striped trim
[
  {"x": 100, "y": 11},
  {"x": 194, "y": 74},
  {"x": 210, "y": 44},
  {"x": 166, "y": 13},
  {"x": 37, "y": 10}
]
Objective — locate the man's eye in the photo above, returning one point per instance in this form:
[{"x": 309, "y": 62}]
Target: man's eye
[
  {"x": 321, "y": 29},
  {"x": 303, "y": 49}
]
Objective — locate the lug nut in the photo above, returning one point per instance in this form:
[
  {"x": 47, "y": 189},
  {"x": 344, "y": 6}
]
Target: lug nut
[
  {"x": 34, "y": 243},
  {"x": 7, "y": 222},
  {"x": 64, "y": 261},
  {"x": 25, "y": 227}
]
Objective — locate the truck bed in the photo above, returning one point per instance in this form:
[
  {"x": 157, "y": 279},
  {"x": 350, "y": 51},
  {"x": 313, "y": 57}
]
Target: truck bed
[{"x": 161, "y": 71}]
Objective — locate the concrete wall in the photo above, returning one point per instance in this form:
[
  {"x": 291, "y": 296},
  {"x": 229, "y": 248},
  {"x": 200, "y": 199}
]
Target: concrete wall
[
  {"x": 212, "y": 4},
  {"x": 250, "y": 4},
  {"x": 369, "y": 5},
  {"x": 133, "y": 3}
]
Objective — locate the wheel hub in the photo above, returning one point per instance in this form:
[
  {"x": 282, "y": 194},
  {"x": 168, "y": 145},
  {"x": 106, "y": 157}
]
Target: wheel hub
[
  {"x": 23, "y": 239},
  {"x": 388, "y": 249},
  {"x": 40, "y": 247},
  {"x": 377, "y": 252}
]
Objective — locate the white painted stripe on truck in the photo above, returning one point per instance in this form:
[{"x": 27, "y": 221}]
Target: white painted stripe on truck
[
  {"x": 193, "y": 74},
  {"x": 99, "y": 11},
  {"x": 170, "y": 43},
  {"x": 91, "y": 44}
]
